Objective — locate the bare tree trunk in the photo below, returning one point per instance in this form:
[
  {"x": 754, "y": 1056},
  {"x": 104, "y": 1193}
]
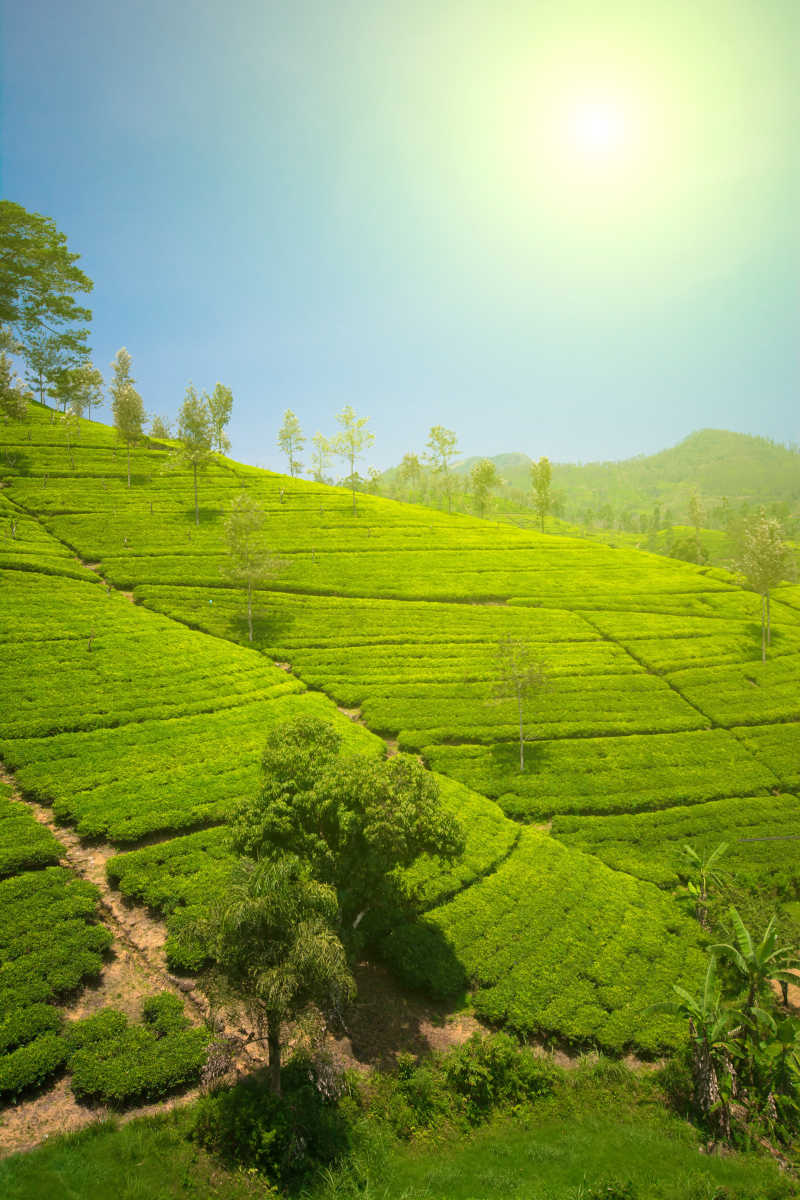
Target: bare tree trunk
[
  {"x": 274, "y": 1048},
  {"x": 196, "y": 509},
  {"x": 769, "y": 629},
  {"x": 707, "y": 1095}
]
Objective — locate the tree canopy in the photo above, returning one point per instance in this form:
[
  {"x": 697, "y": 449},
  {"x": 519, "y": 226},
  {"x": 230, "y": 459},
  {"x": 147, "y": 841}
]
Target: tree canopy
[
  {"x": 39, "y": 279},
  {"x": 126, "y": 403},
  {"x": 353, "y": 819}
]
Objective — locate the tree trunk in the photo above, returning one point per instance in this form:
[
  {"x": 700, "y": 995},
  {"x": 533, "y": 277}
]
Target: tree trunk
[
  {"x": 707, "y": 1096},
  {"x": 250, "y": 608},
  {"x": 129, "y": 464},
  {"x": 763, "y": 630},
  {"x": 274, "y": 1048},
  {"x": 196, "y": 509},
  {"x": 769, "y": 623}
]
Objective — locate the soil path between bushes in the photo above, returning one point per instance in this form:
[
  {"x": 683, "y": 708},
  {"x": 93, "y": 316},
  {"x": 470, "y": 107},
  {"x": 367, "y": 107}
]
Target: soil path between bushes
[{"x": 383, "y": 1021}]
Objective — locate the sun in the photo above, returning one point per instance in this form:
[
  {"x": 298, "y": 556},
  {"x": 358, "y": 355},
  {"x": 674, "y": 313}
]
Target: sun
[{"x": 598, "y": 128}]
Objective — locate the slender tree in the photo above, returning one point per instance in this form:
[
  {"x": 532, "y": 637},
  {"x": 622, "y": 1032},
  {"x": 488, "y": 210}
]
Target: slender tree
[
  {"x": 483, "y": 477},
  {"x": 13, "y": 397},
  {"x": 410, "y": 470},
  {"x": 291, "y": 441},
  {"x": 220, "y": 406},
  {"x": 351, "y": 442},
  {"x": 541, "y": 480},
  {"x": 520, "y": 675},
  {"x": 45, "y": 360},
  {"x": 195, "y": 434},
  {"x": 126, "y": 403},
  {"x": 78, "y": 388},
  {"x": 250, "y": 563},
  {"x": 765, "y": 561},
  {"x": 160, "y": 428},
  {"x": 273, "y": 942},
  {"x": 703, "y": 872},
  {"x": 442, "y": 451},
  {"x": 696, "y": 520},
  {"x": 320, "y": 456}
]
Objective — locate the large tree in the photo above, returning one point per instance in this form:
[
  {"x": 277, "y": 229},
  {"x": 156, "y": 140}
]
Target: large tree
[
  {"x": 353, "y": 819},
  {"x": 250, "y": 562},
  {"x": 220, "y": 406},
  {"x": 351, "y": 442},
  {"x": 442, "y": 451},
  {"x": 765, "y": 561},
  {"x": 291, "y": 441},
  {"x": 39, "y": 279},
  {"x": 520, "y": 673},
  {"x": 541, "y": 478},
  {"x": 126, "y": 403},
  {"x": 273, "y": 942},
  {"x": 195, "y": 434}
]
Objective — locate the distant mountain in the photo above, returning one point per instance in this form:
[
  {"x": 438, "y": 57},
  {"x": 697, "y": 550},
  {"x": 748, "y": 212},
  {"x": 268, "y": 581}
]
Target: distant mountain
[{"x": 721, "y": 465}]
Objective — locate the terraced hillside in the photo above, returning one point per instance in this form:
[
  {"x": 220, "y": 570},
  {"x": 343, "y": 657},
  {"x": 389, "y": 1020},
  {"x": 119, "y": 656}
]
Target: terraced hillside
[{"x": 142, "y": 723}]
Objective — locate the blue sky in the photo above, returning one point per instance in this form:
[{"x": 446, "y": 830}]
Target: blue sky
[{"x": 384, "y": 204}]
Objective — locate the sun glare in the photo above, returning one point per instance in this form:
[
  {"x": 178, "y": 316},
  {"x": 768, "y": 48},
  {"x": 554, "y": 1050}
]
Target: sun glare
[{"x": 598, "y": 128}]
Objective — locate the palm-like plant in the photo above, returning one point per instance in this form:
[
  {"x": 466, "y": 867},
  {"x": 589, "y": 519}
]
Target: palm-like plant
[
  {"x": 710, "y": 1026},
  {"x": 274, "y": 945},
  {"x": 758, "y": 963},
  {"x": 705, "y": 870}
]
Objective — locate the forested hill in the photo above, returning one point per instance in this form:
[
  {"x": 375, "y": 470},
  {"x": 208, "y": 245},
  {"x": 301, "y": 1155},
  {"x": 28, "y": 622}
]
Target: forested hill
[{"x": 718, "y": 463}]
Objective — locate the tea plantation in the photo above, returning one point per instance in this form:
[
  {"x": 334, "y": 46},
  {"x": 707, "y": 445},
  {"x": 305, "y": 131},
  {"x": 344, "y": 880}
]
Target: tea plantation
[{"x": 141, "y": 723}]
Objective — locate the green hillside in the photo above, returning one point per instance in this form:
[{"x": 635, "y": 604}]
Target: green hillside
[
  {"x": 142, "y": 723},
  {"x": 730, "y": 472}
]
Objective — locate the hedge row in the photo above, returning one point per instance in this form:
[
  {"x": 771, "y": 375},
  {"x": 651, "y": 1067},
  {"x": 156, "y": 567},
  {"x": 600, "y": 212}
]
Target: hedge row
[
  {"x": 761, "y": 833},
  {"x": 555, "y": 943},
  {"x": 609, "y": 774},
  {"x": 24, "y": 843}
]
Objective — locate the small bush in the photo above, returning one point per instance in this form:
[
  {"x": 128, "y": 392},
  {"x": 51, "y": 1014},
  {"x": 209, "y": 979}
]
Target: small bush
[
  {"x": 284, "y": 1136},
  {"x": 487, "y": 1071},
  {"x": 26, "y": 1024},
  {"x": 31, "y": 1065}
]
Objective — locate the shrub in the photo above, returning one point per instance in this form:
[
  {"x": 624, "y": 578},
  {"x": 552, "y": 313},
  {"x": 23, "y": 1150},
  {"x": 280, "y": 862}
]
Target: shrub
[
  {"x": 283, "y": 1136},
  {"x": 31, "y": 1065}
]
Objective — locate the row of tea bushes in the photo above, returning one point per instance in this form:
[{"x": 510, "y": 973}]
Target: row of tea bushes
[
  {"x": 49, "y": 947},
  {"x": 608, "y": 774},
  {"x": 761, "y": 833},
  {"x": 555, "y": 943},
  {"x": 24, "y": 843},
  {"x": 110, "y": 1061},
  {"x": 570, "y": 706},
  {"x": 754, "y": 693}
]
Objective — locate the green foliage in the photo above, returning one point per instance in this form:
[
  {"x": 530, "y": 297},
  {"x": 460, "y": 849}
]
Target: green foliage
[
  {"x": 39, "y": 278},
  {"x": 353, "y": 819},
  {"x": 291, "y": 442},
  {"x": 482, "y": 478},
  {"x": 220, "y": 406},
  {"x": 112, "y": 1062},
  {"x": 30, "y": 1065}
]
